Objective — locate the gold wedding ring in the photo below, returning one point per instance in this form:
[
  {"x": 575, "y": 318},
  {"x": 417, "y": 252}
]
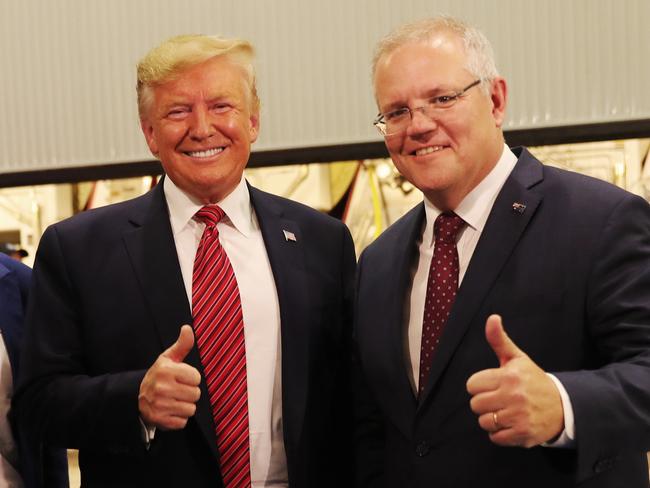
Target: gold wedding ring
[{"x": 495, "y": 419}]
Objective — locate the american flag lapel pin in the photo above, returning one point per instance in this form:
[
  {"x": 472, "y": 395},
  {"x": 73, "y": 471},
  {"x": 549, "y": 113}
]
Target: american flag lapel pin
[
  {"x": 289, "y": 236},
  {"x": 518, "y": 207}
]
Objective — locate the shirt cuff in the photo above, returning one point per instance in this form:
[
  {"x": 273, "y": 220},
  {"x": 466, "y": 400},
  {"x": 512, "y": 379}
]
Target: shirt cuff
[
  {"x": 148, "y": 433},
  {"x": 567, "y": 437}
]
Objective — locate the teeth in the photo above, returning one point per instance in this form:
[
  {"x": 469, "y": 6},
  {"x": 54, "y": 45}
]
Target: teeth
[
  {"x": 205, "y": 154},
  {"x": 428, "y": 150}
]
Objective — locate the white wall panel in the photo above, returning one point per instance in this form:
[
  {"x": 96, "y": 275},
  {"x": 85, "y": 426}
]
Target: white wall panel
[{"x": 67, "y": 77}]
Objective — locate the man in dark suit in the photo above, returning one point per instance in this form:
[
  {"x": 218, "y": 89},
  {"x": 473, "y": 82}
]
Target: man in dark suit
[
  {"x": 256, "y": 394},
  {"x": 502, "y": 326},
  {"x": 24, "y": 461}
]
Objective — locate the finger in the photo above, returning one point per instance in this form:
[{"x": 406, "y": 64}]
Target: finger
[
  {"x": 189, "y": 394},
  {"x": 186, "y": 374},
  {"x": 172, "y": 423},
  {"x": 486, "y": 380},
  {"x": 162, "y": 408},
  {"x": 499, "y": 341},
  {"x": 182, "y": 409},
  {"x": 487, "y": 402},
  {"x": 508, "y": 437},
  {"x": 183, "y": 345},
  {"x": 491, "y": 423}
]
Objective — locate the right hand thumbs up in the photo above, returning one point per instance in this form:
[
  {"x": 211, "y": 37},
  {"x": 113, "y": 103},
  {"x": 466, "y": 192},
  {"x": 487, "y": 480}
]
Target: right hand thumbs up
[{"x": 170, "y": 388}]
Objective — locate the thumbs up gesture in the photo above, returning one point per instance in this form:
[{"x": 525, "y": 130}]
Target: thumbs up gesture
[
  {"x": 170, "y": 388},
  {"x": 516, "y": 403}
]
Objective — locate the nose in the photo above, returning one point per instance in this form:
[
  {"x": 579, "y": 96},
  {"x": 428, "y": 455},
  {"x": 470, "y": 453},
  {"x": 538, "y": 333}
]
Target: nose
[
  {"x": 201, "y": 124},
  {"x": 421, "y": 122}
]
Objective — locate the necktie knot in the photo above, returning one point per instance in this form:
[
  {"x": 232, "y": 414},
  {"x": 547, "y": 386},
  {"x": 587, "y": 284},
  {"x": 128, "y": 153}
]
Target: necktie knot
[
  {"x": 447, "y": 226},
  {"x": 210, "y": 215}
]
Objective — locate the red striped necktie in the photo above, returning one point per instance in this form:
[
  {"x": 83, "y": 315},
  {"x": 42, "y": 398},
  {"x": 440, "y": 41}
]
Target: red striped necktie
[{"x": 219, "y": 331}]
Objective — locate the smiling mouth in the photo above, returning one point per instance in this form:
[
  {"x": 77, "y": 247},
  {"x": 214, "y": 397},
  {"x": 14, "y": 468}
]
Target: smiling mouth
[
  {"x": 208, "y": 153},
  {"x": 428, "y": 150}
]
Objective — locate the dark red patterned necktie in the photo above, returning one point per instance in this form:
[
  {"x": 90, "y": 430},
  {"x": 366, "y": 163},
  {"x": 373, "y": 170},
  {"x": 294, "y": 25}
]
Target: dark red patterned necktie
[
  {"x": 219, "y": 331},
  {"x": 441, "y": 289}
]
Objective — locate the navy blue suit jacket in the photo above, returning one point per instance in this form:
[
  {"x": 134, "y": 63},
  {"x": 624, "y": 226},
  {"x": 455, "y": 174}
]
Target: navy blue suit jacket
[
  {"x": 571, "y": 277},
  {"x": 108, "y": 298},
  {"x": 38, "y": 466}
]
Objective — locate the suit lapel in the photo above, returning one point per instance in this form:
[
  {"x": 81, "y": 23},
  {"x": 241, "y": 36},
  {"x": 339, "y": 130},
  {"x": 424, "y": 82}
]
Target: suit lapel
[
  {"x": 384, "y": 320},
  {"x": 503, "y": 229},
  {"x": 152, "y": 251},
  {"x": 286, "y": 257}
]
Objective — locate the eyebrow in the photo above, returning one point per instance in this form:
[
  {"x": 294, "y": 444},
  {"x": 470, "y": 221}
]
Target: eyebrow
[
  {"x": 397, "y": 104},
  {"x": 436, "y": 92},
  {"x": 183, "y": 101},
  {"x": 441, "y": 91},
  {"x": 428, "y": 94}
]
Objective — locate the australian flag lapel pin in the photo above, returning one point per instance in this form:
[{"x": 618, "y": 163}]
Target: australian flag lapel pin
[
  {"x": 289, "y": 236},
  {"x": 518, "y": 207}
]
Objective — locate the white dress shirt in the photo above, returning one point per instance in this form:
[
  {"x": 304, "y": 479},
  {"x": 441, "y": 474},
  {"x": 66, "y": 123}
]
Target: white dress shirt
[
  {"x": 474, "y": 209},
  {"x": 241, "y": 238},
  {"x": 9, "y": 476}
]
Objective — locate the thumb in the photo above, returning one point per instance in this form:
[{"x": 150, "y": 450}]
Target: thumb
[
  {"x": 179, "y": 349},
  {"x": 499, "y": 341}
]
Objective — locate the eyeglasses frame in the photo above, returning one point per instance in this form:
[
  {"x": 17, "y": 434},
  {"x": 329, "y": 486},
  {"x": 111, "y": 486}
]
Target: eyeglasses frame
[{"x": 379, "y": 120}]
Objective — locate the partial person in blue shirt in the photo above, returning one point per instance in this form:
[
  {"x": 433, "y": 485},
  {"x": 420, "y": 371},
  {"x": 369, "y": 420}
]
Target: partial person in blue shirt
[{"x": 23, "y": 462}]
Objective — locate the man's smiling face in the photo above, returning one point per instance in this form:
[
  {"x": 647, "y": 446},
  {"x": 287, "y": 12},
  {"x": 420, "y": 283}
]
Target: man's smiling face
[
  {"x": 448, "y": 154},
  {"x": 201, "y": 125}
]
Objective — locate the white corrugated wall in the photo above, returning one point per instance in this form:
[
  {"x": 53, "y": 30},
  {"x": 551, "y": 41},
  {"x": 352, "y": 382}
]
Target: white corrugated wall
[{"x": 67, "y": 66}]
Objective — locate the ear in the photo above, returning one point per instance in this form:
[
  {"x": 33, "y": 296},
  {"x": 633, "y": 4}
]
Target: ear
[
  {"x": 499, "y": 97},
  {"x": 254, "y": 128},
  {"x": 148, "y": 131}
]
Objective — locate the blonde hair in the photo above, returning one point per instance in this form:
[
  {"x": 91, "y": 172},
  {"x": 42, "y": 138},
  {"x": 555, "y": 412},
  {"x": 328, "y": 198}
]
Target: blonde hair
[
  {"x": 177, "y": 54},
  {"x": 480, "y": 56}
]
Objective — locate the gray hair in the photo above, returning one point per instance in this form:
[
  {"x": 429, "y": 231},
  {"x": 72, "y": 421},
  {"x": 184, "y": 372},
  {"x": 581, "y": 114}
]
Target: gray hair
[{"x": 480, "y": 56}]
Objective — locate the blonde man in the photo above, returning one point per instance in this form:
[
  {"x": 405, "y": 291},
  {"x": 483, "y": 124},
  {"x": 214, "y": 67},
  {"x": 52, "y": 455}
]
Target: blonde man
[
  {"x": 250, "y": 391},
  {"x": 452, "y": 394}
]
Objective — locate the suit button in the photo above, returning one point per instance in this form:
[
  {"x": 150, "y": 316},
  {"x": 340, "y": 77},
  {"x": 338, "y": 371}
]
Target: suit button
[
  {"x": 422, "y": 449},
  {"x": 603, "y": 465}
]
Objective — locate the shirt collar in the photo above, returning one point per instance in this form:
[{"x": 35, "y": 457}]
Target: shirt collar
[
  {"x": 182, "y": 207},
  {"x": 475, "y": 208}
]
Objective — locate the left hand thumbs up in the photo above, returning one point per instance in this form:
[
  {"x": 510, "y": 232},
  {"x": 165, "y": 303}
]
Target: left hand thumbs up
[{"x": 516, "y": 403}]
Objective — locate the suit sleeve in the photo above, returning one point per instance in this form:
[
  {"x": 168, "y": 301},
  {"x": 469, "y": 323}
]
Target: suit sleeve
[
  {"x": 56, "y": 396},
  {"x": 369, "y": 427},
  {"x": 343, "y": 414},
  {"x": 610, "y": 400}
]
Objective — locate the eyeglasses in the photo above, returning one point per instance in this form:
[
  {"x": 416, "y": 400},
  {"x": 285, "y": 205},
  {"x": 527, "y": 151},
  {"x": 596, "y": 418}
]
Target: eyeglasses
[{"x": 398, "y": 120}]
